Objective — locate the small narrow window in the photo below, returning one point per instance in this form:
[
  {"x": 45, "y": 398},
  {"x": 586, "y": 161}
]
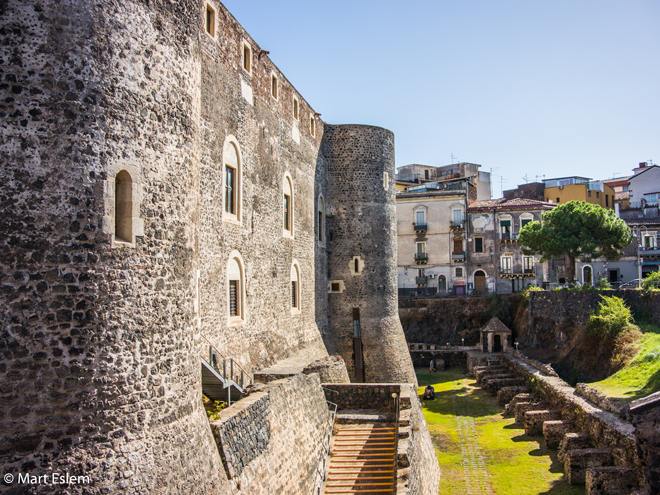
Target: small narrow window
[
  {"x": 459, "y": 271},
  {"x": 557, "y": 200},
  {"x": 356, "y": 265},
  {"x": 320, "y": 226},
  {"x": 123, "y": 207},
  {"x": 295, "y": 108},
  {"x": 230, "y": 190},
  {"x": 294, "y": 294},
  {"x": 607, "y": 200},
  {"x": 233, "y": 298},
  {"x": 597, "y": 194},
  {"x": 478, "y": 244},
  {"x": 588, "y": 194},
  {"x": 273, "y": 86},
  {"x": 312, "y": 128},
  {"x": 334, "y": 287},
  {"x": 287, "y": 212},
  {"x": 210, "y": 21},
  {"x": 247, "y": 57}
]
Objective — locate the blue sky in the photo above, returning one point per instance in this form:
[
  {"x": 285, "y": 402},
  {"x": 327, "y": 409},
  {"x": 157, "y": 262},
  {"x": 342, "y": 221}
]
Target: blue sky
[{"x": 526, "y": 87}]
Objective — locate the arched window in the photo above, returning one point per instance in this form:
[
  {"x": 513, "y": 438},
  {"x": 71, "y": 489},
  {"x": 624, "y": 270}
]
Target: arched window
[
  {"x": 587, "y": 275},
  {"x": 232, "y": 174},
  {"x": 526, "y": 218},
  {"x": 288, "y": 204},
  {"x": 123, "y": 207},
  {"x": 235, "y": 290},
  {"x": 442, "y": 284},
  {"x": 321, "y": 222},
  {"x": 295, "y": 287}
]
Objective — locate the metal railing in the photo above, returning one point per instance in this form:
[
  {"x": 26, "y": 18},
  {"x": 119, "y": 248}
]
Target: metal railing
[
  {"x": 213, "y": 361},
  {"x": 419, "y": 227},
  {"x": 456, "y": 225},
  {"x": 326, "y": 450},
  {"x": 458, "y": 256},
  {"x": 421, "y": 256},
  {"x": 421, "y": 280},
  {"x": 396, "y": 441}
]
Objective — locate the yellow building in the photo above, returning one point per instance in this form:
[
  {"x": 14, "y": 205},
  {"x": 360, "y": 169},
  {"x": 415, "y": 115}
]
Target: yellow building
[{"x": 564, "y": 189}]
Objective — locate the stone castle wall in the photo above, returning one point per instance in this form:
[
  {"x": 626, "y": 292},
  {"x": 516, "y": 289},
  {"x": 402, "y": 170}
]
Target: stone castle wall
[
  {"x": 100, "y": 373},
  {"x": 360, "y": 180}
]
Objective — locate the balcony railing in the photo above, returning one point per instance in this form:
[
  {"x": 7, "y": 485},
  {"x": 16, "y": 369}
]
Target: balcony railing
[
  {"x": 506, "y": 270},
  {"x": 420, "y": 280},
  {"x": 421, "y": 256},
  {"x": 420, "y": 227},
  {"x": 528, "y": 270},
  {"x": 509, "y": 236},
  {"x": 458, "y": 256},
  {"x": 456, "y": 225},
  {"x": 649, "y": 251}
]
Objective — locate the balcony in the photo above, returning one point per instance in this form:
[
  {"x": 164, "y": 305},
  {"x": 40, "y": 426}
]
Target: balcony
[
  {"x": 420, "y": 227},
  {"x": 506, "y": 270},
  {"x": 421, "y": 258},
  {"x": 509, "y": 237},
  {"x": 458, "y": 256},
  {"x": 420, "y": 280},
  {"x": 528, "y": 270},
  {"x": 456, "y": 225},
  {"x": 649, "y": 251}
]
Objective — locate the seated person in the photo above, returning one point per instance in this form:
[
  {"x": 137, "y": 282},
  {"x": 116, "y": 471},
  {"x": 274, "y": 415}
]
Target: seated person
[{"x": 429, "y": 392}]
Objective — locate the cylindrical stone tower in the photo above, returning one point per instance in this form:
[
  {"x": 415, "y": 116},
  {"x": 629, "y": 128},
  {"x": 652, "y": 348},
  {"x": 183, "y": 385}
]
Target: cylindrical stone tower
[
  {"x": 99, "y": 190},
  {"x": 363, "y": 299}
]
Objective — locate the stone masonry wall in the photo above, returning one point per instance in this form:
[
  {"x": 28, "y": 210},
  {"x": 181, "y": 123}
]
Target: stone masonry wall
[
  {"x": 362, "y": 395},
  {"x": 553, "y": 314},
  {"x": 299, "y": 423},
  {"x": 238, "y": 105},
  {"x": 100, "y": 373},
  {"x": 360, "y": 182},
  {"x": 425, "y": 473}
]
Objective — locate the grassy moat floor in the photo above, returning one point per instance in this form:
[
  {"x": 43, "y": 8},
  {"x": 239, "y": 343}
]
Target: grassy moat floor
[{"x": 480, "y": 451}]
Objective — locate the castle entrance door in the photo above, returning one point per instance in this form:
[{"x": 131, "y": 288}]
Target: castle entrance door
[{"x": 497, "y": 343}]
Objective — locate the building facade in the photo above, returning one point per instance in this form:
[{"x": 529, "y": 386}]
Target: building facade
[
  {"x": 496, "y": 262},
  {"x": 564, "y": 189}
]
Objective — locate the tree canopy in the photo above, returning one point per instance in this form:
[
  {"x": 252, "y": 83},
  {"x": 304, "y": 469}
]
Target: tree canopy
[{"x": 576, "y": 229}]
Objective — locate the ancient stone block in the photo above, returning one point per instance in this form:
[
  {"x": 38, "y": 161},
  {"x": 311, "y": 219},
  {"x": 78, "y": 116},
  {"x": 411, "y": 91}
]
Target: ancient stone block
[
  {"x": 611, "y": 480},
  {"x": 554, "y": 432},
  {"x": 534, "y": 421},
  {"x": 573, "y": 441},
  {"x": 494, "y": 385},
  {"x": 505, "y": 394},
  {"x": 576, "y": 463},
  {"x": 525, "y": 397},
  {"x": 522, "y": 407}
]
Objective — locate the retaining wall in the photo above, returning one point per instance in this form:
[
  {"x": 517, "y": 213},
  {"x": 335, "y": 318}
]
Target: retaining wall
[
  {"x": 422, "y": 359},
  {"x": 604, "y": 428},
  {"x": 355, "y": 396}
]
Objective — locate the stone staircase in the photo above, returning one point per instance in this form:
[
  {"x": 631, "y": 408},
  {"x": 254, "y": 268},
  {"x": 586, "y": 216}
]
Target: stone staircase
[{"x": 362, "y": 459}]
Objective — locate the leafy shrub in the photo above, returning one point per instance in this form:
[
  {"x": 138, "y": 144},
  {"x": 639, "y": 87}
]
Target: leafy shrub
[
  {"x": 611, "y": 317},
  {"x": 652, "y": 282},
  {"x": 213, "y": 408},
  {"x": 603, "y": 283}
]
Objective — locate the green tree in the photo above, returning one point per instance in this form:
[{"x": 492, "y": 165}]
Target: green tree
[{"x": 576, "y": 229}]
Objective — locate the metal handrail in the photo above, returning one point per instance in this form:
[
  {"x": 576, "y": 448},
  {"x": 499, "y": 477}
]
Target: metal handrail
[
  {"x": 231, "y": 366},
  {"x": 396, "y": 442},
  {"x": 327, "y": 450}
]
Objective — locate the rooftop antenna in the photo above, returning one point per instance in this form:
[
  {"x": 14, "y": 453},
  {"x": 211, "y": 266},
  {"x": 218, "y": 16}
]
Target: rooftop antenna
[
  {"x": 536, "y": 178},
  {"x": 526, "y": 178},
  {"x": 502, "y": 181},
  {"x": 453, "y": 158},
  {"x": 492, "y": 174}
]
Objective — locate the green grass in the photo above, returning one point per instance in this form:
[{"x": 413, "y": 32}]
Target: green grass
[
  {"x": 641, "y": 376},
  {"x": 515, "y": 463}
]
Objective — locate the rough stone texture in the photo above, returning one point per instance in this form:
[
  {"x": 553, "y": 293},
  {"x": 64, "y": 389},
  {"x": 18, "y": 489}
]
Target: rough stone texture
[
  {"x": 602, "y": 400},
  {"x": 506, "y": 394},
  {"x": 100, "y": 370},
  {"x": 483, "y": 372},
  {"x": 442, "y": 320},
  {"x": 494, "y": 385},
  {"x": 554, "y": 432},
  {"x": 525, "y": 397},
  {"x": 299, "y": 427},
  {"x": 534, "y": 421},
  {"x": 573, "y": 441},
  {"x": 605, "y": 429},
  {"x": 521, "y": 409},
  {"x": 646, "y": 421},
  {"x": 243, "y": 432},
  {"x": 424, "y": 475},
  {"x": 374, "y": 396},
  {"x": 576, "y": 463},
  {"x": 553, "y": 314},
  {"x": 101, "y": 339},
  {"x": 612, "y": 480},
  {"x": 330, "y": 369},
  {"x": 452, "y": 359},
  {"x": 364, "y": 225}
]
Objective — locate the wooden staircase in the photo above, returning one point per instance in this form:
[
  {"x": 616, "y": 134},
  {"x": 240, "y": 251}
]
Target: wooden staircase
[{"x": 362, "y": 458}]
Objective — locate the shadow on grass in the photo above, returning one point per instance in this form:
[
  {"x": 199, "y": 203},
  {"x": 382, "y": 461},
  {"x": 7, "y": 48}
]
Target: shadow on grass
[{"x": 513, "y": 426}]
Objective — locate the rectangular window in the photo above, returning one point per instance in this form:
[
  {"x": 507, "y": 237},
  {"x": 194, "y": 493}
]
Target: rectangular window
[
  {"x": 597, "y": 194},
  {"x": 247, "y": 58},
  {"x": 294, "y": 294},
  {"x": 528, "y": 264},
  {"x": 321, "y": 226},
  {"x": 458, "y": 246},
  {"x": 420, "y": 218},
  {"x": 233, "y": 298},
  {"x": 524, "y": 222},
  {"x": 334, "y": 287},
  {"x": 557, "y": 200},
  {"x": 273, "y": 86},
  {"x": 506, "y": 263},
  {"x": 287, "y": 212},
  {"x": 607, "y": 200},
  {"x": 421, "y": 247},
  {"x": 589, "y": 194},
  {"x": 457, "y": 216},
  {"x": 230, "y": 189},
  {"x": 311, "y": 126},
  {"x": 210, "y": 21},
  {"x": 505, "y": 229},
  {"x": 478, "y": 244},
  {"x": 295, "y": 108},
  {"x": 459, "y": 271}
]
